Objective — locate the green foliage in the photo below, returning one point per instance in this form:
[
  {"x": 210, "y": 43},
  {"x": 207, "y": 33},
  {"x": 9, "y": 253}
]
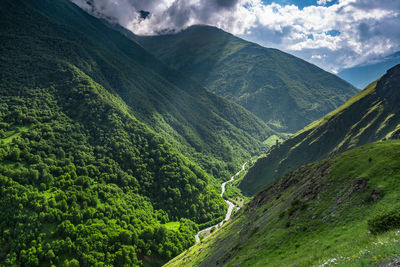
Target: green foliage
[
  {"x": 284, "y": 91},
  {"x": 101, "y": 144},
  {"x": 385, "y": 221}
]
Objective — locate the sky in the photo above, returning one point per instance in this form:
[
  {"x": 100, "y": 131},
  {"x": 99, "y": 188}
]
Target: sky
[{"x": 333, "y": 34}]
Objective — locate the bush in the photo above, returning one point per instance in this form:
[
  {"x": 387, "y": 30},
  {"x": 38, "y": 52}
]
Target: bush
[{"x": 384, "y": 221}]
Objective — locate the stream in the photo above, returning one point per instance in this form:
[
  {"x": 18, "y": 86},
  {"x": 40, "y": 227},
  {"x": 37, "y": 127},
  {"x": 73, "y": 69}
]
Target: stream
[{"x": 231, "y": 206}]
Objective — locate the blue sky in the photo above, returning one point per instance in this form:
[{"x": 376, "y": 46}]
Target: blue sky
[
  {"x": 299, "y": 3},
  {"x": 333, "y": 34}
]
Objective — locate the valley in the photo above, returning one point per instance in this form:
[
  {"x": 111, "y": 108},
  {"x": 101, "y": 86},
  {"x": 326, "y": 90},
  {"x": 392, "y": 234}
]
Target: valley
[
  {"x": 189, "y": 147},
  {"x": 231, "y": 207},
  {"x": 323, "y": 214}
]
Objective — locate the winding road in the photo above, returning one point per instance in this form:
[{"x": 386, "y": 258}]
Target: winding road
[{"x": 231, "y": 206}]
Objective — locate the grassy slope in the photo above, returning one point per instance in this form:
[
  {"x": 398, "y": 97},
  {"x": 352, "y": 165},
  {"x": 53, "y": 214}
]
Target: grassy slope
[
  {"x": 317, "y": 214},
  {"x": 284, "y": 91},
  {"x": 371, "y": 115}
]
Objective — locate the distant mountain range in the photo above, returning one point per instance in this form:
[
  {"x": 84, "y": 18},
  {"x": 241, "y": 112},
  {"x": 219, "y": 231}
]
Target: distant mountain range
[
  {"x": 284, "y": 91},
  {"x": 361, "y": 76}
]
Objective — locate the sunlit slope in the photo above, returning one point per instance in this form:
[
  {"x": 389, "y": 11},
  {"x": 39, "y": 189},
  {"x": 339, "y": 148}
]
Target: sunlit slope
[
  {"x": 371, "y": 115},
  {"x": 340, "y": 211},
  {"x": 284, "y": 91}
]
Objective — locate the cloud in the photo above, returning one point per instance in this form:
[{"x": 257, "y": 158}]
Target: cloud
[
  {"x": 165, "y": 15},
  {"x": 362, "y": 32},
  {"x": 323, "y": 2},
  {"x": 226, "y": 3},
  {"x": 331, "y": 34}
]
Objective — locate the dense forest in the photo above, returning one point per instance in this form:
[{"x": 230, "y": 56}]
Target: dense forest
[
  {"x": 85, "y": 178},
  {"x": 94, "y": 185}
]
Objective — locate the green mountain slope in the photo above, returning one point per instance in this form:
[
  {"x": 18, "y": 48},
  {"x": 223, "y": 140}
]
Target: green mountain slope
[
  {"x": 284, "y": 91},
  {"x": 342, "y": 211},
  {"x": 198, "y": 123},
  {"x": 104, "y": 151},
  {"x": 371, "y": 115}
]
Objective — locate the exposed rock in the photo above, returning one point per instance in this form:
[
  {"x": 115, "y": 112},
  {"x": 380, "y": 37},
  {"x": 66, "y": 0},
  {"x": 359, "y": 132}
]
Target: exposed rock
[
  {"x": 388, "y": 86},
  {"x": 375, "y": 196},
  {"x": 394, "y": 263},
  {"x": 359, "y": 185}
]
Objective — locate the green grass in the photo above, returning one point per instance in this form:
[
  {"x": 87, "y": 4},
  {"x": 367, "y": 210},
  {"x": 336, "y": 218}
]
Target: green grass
[
  {"x": 322, "y": 215},
  {"x": 172, "y": 225},
  {"x": 271, "y": 141},
  {"x": 14, "y": 132}
]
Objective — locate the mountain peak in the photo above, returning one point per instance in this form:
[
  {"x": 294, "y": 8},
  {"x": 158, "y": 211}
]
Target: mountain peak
[
  {"x": 284, "y": 91},
  {"x": 388, "y": 86}
]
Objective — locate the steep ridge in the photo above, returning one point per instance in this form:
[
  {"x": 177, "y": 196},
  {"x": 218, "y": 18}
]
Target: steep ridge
[
  {"x": 284, "y": 91},
  {"x": 103, "y": 149},
  {"x": 371, "y": 115},
  {"x": 342, "y": 211}
]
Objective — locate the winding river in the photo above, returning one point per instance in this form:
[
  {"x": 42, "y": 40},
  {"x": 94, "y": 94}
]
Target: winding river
[{"x": 231, "y": 206}]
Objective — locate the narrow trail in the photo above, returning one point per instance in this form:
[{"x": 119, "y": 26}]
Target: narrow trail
[{"x": 231, "y": 206}]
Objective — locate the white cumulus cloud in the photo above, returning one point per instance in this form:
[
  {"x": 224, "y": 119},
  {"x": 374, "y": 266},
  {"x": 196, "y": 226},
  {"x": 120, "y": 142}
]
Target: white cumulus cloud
[{"x": 335, "y": 36}]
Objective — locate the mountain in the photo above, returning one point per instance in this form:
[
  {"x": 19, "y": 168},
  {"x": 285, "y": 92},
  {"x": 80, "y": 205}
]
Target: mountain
[
  {"x": 197, "y": 122},
  {"x": 342, "y": 211},
  {"x": 371, "y": 115},
  {"x": 107, "y": 156},
  {"x": 284, "y": 91},
  {"x": 361, "y": 76}
]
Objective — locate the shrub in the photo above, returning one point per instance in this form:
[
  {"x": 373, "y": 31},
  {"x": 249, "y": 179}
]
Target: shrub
[{"x": 384, "y": 221}]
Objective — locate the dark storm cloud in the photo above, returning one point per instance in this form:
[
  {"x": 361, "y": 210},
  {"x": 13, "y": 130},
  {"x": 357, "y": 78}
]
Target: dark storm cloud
[
  {"x": 174, "y": 16},
  {"x": 144, "y": 14},
  {"x": 226, "y": 3},
  {"x": 364, "y": 31}
]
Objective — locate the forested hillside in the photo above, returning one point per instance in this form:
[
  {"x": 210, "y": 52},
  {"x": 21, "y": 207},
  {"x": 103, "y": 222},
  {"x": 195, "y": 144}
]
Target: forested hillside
[
  {"x": 371, "y": 115},
  {"x": 215, "y": 133},
  {"x": 284, "y": 91},
  {"x": 106, "y": 155}
]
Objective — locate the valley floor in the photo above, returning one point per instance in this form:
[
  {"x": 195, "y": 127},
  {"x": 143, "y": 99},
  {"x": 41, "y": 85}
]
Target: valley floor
[{"x": 231, "y": 207}]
